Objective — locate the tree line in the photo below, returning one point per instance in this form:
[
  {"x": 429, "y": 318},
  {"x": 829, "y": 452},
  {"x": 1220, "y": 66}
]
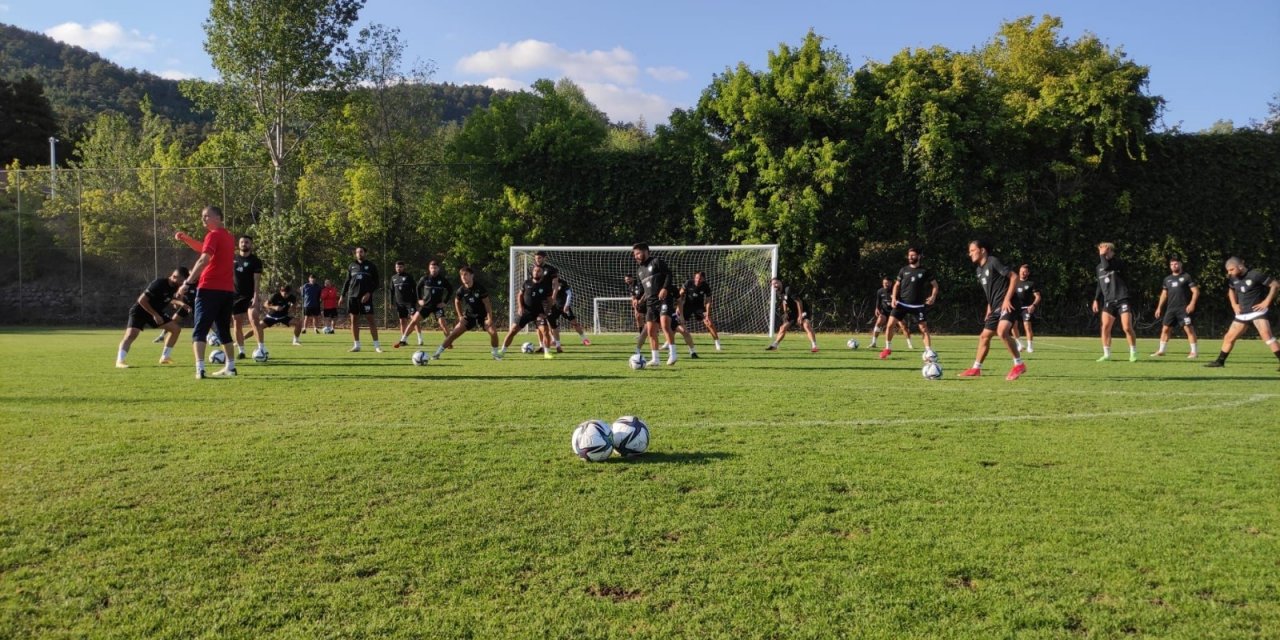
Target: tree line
[{"x": 1042, "y": 144}]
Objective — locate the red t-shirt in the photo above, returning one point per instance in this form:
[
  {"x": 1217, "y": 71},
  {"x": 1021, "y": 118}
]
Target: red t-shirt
[
  {"x": 329, "y": 297},
  {"x": 218, "y": 275}
]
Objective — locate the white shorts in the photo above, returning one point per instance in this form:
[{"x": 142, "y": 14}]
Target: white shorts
[{"x": 1251, "y": 316}]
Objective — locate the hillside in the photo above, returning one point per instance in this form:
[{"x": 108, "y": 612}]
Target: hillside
[{"x": 81, "y": 84}]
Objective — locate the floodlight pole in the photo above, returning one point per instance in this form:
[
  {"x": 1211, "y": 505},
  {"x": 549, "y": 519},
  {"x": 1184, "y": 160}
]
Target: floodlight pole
[{"x": 53, "y": 165}]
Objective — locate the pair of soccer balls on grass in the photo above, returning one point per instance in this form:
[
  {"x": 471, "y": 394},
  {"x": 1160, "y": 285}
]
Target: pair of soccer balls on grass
[
  {"x": 595, "y": 441},
  {"x": 218, "y": 357},
  {"x": 931, "y": 370}
]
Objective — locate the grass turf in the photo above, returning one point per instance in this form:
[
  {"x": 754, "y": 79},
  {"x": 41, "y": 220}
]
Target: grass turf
[{"x": 786, "y": 494}]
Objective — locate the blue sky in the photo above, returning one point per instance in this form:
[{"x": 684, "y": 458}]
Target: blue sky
[{"x": 1210, "y": 61}]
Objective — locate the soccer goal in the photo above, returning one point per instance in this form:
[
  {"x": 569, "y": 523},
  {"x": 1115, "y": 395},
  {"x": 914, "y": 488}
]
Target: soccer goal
[{"x": 738, "y": 275}]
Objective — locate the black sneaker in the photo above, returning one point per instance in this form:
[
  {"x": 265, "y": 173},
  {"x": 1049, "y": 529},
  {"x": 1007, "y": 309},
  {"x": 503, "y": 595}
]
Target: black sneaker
[
  {"x": 694, "y": 355},
  {"x": 1215, "y": 364},
  {"x": 401, "y": 343}
]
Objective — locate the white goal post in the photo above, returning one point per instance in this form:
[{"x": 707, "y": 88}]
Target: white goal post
[{"x": 739, "y": 275}]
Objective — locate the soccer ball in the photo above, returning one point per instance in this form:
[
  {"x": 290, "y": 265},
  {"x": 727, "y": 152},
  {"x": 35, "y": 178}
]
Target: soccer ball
[
  {"x": 630, "y": 436},
  {"x": 593, "y": 441},
  {"x": 421, "y": 358},
  {"x": 260, "y": 355},
  {"x": 527, "y": 347},
  {"x": 328, "y": 331},
  {"x": 929, "y": 355},
  {"x": 931, "y": 370},
  {"x": 217, "y": 357},
  {"x": 637, "y": 361},
  {"x": 852, "y": 343},
  {"x": 214, "y": 341}
]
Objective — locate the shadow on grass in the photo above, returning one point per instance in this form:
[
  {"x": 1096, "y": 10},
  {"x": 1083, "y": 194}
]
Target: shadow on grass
[{"x": 683, "y": 457}]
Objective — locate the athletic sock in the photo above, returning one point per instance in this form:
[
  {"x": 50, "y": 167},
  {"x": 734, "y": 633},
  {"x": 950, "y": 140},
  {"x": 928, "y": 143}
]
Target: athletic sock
[
  {"x": 376, "y": 345},
  {"x": 888, "y": 344},
  {"x": 440, "y": 350},
  {"x": 168, "y": 351},
  {"x": 240, "y": 349},
  {"x": 1031, "y": 346},
  {"x": 1017, "y": 361},
  {"x": 419, "y": 338},
  {"x": 813, "y": 344},
  {"x": 671, "y": 348},
  {"x": 1222, "y": 356},
  {"x": 355, "y": 344},
  {"x": 1133, "y": 349},
  {"x": 1194, "y": 348},
  {"x": 1106, "y": 351},
  {"x": 1164, "y": 344},
  {"x": 200, "y": 366},
  {"x": 977, "y": 365},
  {"x": 404, "y": 337},
  {"x": 121, "y": 355},
  {"x": 653, "y": 355},
  {"x": 717, "y": 344}
]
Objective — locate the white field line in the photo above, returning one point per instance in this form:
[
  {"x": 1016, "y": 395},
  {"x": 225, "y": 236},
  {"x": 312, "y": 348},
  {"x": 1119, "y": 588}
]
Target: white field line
[{"x": 971, "y": 419}]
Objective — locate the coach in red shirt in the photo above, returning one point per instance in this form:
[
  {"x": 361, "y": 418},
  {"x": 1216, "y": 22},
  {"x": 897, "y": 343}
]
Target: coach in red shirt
[{"x": 212, "y": 277}]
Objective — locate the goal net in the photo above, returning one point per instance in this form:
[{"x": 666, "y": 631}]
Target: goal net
[{"x": 738, "y": 275}]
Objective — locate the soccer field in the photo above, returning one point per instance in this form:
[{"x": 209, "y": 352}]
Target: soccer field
[{"x": 786, "y": 494}]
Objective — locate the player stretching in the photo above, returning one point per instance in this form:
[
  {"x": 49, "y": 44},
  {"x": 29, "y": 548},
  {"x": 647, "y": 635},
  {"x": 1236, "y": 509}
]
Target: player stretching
[
  {"x": 794, "y": 312},
  {"x": 149, "y": 311},
  {"x": 696, "y": 304},
  {"x": 530, "y": 308},
  {"x": 909, "y": 300},
  {"x": 674, "y": 324},
  {"x": 1026, "y": 298},
  {"x": 1251, "y": 294},
  {"x": 404, "y": 295},
  {"x": 212, "y": 277},
  {"x": 433, "y": 291},
  {"x": 362, "y": 281},
  {"x": 278, "y": 306},
  {"x": 311, "y": 303},
  {"x": 563, "y": 308},
  {"x": 1181, "y": 294},
  {"x": 998, "y": 283},
  {"x": 471, "y": 301},
  {"x": 1112, "y": 300},
  {"x": 655, "y": 279}
]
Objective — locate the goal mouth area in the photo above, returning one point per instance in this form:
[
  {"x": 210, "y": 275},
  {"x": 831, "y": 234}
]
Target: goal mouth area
[{"x": 741, "y": 301}]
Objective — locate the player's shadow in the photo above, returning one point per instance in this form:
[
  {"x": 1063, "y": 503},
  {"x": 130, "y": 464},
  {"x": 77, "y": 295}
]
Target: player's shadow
[{"x": 678, "y": 457}]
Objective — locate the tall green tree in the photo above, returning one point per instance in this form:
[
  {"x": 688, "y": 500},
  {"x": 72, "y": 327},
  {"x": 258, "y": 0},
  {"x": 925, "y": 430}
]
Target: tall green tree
[
  {"x": 284, "y": 66},
  {"x": 27, "y": 121}
]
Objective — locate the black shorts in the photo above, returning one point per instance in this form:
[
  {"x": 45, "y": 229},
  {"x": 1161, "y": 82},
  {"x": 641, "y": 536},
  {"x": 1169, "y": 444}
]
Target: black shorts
[
  {"x": 1115, "y": 307},
  {"x": 1027, "y": 315},
  {"x": 241, "y": 304},
  {"x": 653, "y": 309},
  {"x": 696, "y": 314},
  {"x": 919, "y": 314},
  {"x": 530, "y": 315},
  {"x": 438, "y": 312},
  {"x": 884, "y": 312},
  {"x": 357, "y": 308},
  {"x": 403, "y": 311},
  {"x": 272, "y": 321},
  {"x": 311, "y": 312},
  {"x": 329, "y": 313},
  {"x": 1176, "y": 317},
  {"x": 472, "y": 322},
  {"x": 140, "y": 319},
  {"x": 993, "y": 319},
  {"x": 213, "y": 311},
  {"x": 796, "y": 319},
  {"x": 559, "y": 312},
  {"x": 675, "y": 319}
]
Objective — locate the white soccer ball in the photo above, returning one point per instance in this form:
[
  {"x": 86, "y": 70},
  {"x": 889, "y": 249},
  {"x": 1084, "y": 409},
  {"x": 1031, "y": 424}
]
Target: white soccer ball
[
  {"x": 637, "y": 361},
  {"x": 592, "y": 441},
  {"x": 630, "y": 436},
  {"x": 214, "y": 341},
  {"x": 420, "y": 358},
  {"x": 931, "y": 370},
  {"x": 328, "y": 330},
  {"x": 929, "y": 355},
  {"x": 852, "y": 343},
  {"x": 217, "y": 357},
  {"x": 260, "y": 355},
  {"x": 527, "y": 347}
]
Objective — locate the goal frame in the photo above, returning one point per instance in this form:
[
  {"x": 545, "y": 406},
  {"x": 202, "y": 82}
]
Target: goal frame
[{"x": 515, "y": 278}]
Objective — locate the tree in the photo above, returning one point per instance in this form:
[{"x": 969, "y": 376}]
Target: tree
[
  {"x": 284, "y": 66},
  {"x": 27, "y": 121}
]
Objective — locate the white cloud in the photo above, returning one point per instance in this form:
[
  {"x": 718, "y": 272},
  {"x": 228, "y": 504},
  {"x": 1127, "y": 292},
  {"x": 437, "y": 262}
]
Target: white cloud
[
  {"x": 615, "y": 65},
  {"x": 174, "y": 74},
  {"x": 627, "y": 104},
  {"x": 4, "y": 8},
  {"x": 103, "y": 37},
  {"x": 666, "y": 74},
  {"x": 507, "y": 84}
]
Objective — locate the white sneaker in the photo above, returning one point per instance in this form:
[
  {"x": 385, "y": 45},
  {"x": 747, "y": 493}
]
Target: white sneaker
[
  {"x": 353, "y": 350},
  {"x": 671, "y": 359},
  {"x": 121, "y": 365},
  {"x": 224, "y": 373},
  {"x": 377, "y": 349},
  {"x": 1029, "y": 349},
  {"x": 297, "y": 343}
]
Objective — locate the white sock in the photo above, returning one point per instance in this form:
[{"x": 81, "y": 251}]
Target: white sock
[
  {"x": 121, "y": 354},
  {"x": 200, "y": 366},
  {"x": 1163, "y": 345},
  {"x": 376, "y": 345},
  {"x": 774, "y": 345},
  {"x": 555, "y": 343},
  {"x": 653, "y": 355},
  {"x": 1106, "y": 351},
  {"x": 168, "y": 351},
  {"x": 404, "y": 337},
  {"x": 440, "y": 350},
  {"x": 1017, "y": 361},
  {"x": 1193, "y": 347},
  {"x": 1031, "y": 345},
  {"x": 419, "y": 337},
  {"x": 813, "y": 344},
  {"x": 1133, "y": 349},
  {"x": 240, "y": 349},
  {"x": 717, "y": 344},
  {"x": 355, "y": 344},
  {"x": 977, "y": 365},
  {"x": 888, "y": 344}
]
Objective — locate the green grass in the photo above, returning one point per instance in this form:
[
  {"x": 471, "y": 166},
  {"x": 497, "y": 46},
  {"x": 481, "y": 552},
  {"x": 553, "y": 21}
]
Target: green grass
[{"x": 786, "y": 494}]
